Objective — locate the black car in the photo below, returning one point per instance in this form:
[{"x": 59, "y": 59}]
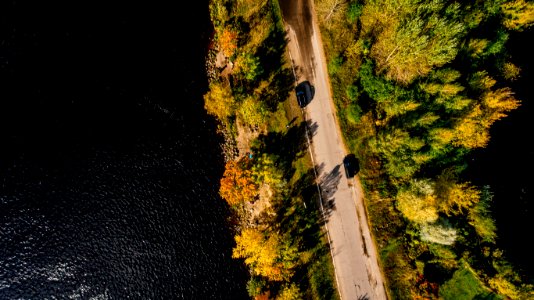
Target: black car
[
  {"x": 351, "y": 164},
  {"x": 304, "y": 91}
]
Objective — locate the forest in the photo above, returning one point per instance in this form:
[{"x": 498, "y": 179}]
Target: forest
[
  {"x": 268, "y": 181},
  {"x": 417, "y": 86}
]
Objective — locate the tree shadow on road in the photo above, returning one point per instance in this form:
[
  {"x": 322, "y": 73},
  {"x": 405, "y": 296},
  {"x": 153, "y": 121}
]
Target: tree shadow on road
[
  {"x": 364, "y": 297},
  {"x": 312, "y": 129},
  {"x": 328, "y": 184},
  {"x": 299, "y": 220},
  {"x": 300, "y": 217}
]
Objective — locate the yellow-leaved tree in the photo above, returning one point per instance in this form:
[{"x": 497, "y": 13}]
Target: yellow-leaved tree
[
  {"x": 497, "y": 103},
  {"x": 453, "y": 197},
  {"x": 417, "y": 201},
  {"x": 252, "y": 111},
  {"x": 219, "y": 101},
  {"x": 519, "y": 14},
  {"x": 261, "y": 253},
  {"x": 472, "y": 129},
  {"x": 469, "y": 131}
]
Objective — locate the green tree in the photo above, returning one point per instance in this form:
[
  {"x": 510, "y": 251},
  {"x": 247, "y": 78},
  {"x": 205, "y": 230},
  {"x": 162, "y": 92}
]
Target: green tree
[
  {"x": 353, "y": 113},
  {"x": 256, "y": 286},
  {"x": 354, "y": 11},
  {"x": 266, "y": 171},
  {"x": 426, "y": 38},
  {"x": 248, "y": 66},
  {"x": 218, "y": 12},
  {"x": 444, "y": 255},
  {"x": 401, "y": 153},
  {"x": 253, "y": 112},
  {"x": 480, "y": 217},
  {"x": 290, "y": 292}
]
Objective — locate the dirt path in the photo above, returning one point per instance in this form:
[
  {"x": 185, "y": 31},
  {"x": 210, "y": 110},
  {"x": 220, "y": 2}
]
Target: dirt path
[{"x": 353, "y": 251}]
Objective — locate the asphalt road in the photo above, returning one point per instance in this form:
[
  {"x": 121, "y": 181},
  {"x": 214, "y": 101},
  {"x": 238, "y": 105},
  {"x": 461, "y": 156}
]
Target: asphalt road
[{"x": 354, "y": 254}]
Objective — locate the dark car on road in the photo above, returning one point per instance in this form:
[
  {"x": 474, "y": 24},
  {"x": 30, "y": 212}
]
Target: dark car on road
[
  {"x": 304, "y": 91},
  {"x": 351, "y": 164}
]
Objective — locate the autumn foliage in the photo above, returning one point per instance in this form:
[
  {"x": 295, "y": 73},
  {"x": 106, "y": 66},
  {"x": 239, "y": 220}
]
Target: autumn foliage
[
  {"x": 419, "y": 85},
  {"x": 261, "y": 253},
  {"x": 237, "y": 185},
  {"x": 219, "y": 101},
  {"x": 246, "y": 86},
  {"x": 228, "y": 42}
]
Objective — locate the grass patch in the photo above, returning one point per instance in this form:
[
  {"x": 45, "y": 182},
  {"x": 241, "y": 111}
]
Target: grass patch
[
  {"x": 465, "y": 285},
  {"x": 278, "y": 120},
  {"x": 301, "y": 166}
]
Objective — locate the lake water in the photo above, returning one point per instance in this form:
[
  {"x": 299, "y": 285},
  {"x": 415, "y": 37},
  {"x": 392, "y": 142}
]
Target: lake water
[{"x": 109, "y": 166}]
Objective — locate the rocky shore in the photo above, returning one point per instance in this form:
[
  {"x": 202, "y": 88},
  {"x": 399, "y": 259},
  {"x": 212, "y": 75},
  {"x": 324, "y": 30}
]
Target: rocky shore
[{"x": 214, "y": 66}]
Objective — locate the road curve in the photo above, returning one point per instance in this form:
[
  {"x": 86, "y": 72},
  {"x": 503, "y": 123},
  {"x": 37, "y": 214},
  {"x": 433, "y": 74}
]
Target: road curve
[{"x": 353, "y": 252}]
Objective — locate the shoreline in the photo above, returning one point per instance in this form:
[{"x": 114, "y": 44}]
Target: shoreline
[{"x": 229, "y": 145}]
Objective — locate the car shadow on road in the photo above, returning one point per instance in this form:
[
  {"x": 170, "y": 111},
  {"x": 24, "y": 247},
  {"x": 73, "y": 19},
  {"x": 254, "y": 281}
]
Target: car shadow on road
[{"x": 328, "y": 184}]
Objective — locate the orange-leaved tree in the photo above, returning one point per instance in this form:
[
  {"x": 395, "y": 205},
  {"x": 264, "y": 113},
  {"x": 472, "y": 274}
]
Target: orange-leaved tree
[
  {"x": 228, "y": 42},
  {"x": 237, "y": 184}
]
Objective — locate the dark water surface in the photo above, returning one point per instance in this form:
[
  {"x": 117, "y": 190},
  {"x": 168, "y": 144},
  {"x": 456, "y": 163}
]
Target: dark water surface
[
  {"x": 507, "y": 163},
  {"x": 109, "y": 166}
]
